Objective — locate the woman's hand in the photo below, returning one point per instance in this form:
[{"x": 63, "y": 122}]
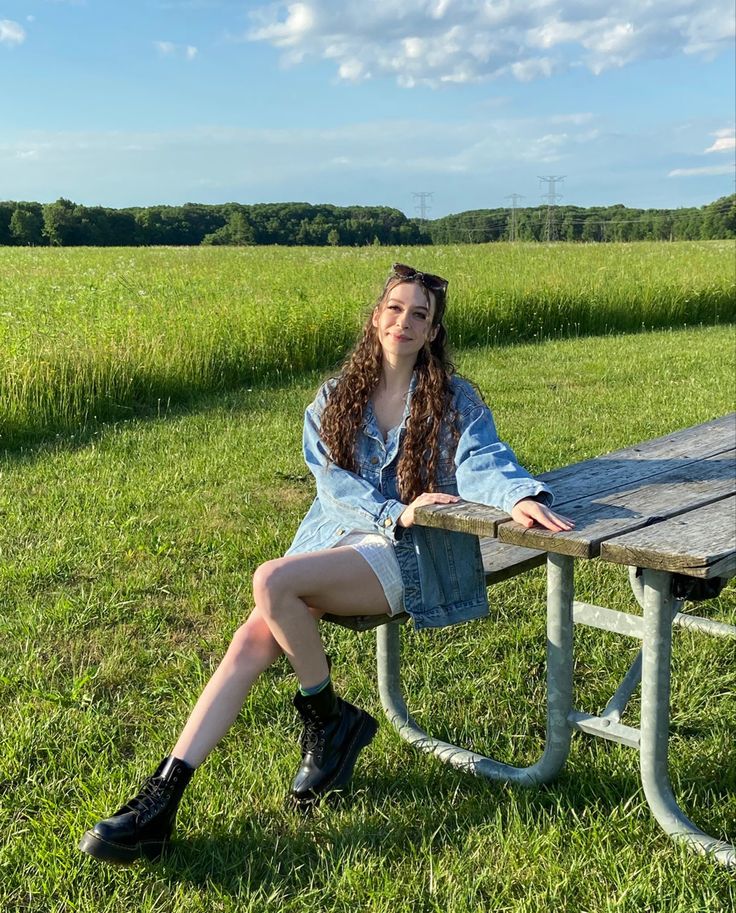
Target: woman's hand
[
  {"x": 429, "y": 497},
  {"x": 528, "y": 511}
]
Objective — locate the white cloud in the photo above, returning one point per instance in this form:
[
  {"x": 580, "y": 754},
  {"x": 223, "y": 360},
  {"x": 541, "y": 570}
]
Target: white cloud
[
  {"x": 289, "y": 31},
  {"x": 436, "y": 42},
  {"x": 725, "y": 141},
  {"x": 527, "y": 70},
  {"x": 169, "y": 49},
  {"x": 707, "y": 169},
  {"x": 583, "y": 117},
  {"x": 11, "y": 33},
  {"x": 353, "y": 70}
]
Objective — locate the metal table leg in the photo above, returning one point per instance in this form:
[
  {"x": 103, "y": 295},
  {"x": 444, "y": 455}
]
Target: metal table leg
[
  {"x": 560, "y": 593},
  {"x": 655, "y": 713}
]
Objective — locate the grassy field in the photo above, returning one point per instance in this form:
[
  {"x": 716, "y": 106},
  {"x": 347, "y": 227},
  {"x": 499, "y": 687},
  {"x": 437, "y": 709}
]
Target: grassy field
[
  {"x": 126, "y": 553},
  {"x": 89, "y": 334}
]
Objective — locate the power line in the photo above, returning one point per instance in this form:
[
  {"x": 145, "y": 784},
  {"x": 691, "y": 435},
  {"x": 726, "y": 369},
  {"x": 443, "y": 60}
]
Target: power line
[
  {"x": 514, "y": 197},
  {"x": 511, "y": 222},
  {"x": 551, "y": 197},
  {"x": 422, "y": 208}
]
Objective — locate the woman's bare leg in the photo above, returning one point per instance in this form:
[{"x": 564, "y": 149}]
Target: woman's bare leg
[
  {"x": 288, "y": 590},
  {"x": 143, "y": 826},
  {"x": 343, "y": 583},
  {"x": 339, "y": 581},
  {"x": 285, "y": 618},
  {"x": 251, "y": 651}
]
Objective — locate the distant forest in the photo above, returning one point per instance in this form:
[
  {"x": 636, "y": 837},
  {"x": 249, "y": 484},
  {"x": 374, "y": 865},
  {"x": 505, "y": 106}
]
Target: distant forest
[{"x": 66, "y": 224}]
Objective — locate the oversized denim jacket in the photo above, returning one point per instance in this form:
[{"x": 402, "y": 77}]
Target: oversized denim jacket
[{"x": 442, "y": 571}]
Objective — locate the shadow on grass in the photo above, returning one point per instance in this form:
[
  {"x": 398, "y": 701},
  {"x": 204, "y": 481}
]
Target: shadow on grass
[
  {"x": 26, "y": 447},
  {"x": 404, "y": 817},
  {"x": 395, "y": 819}
]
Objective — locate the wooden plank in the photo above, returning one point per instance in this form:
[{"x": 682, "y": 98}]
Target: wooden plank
[
  {"x": 685, "y": 487},
  {"x": 578, "y": 486},
  {"x": 725, "y": 568},
  {"x": 700, "y": 543},
  {"x": 624, "y": 468},
  {"x": 464, "y": 517},
  {"x": 501, "y": 562},
  {"x": 695, "y": 442}
]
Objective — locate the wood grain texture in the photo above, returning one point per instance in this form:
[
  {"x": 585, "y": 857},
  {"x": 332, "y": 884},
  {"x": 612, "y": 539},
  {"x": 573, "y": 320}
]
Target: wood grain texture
[
  {"x": 615, "y": 494},
  {"x": 700, "y": 543},
  {"x": 646, "y": 461},
  {"x": 687, "y": 485},
  {"x": 464, "y": 517}
]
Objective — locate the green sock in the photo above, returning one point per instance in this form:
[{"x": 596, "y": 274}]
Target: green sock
[{"x": 315, "y": 689}]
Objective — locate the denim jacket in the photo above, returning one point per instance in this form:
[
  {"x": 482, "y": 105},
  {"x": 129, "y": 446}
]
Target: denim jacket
[{"x": 442, "y": 571}]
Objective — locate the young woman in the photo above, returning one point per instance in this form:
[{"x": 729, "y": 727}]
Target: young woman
[{"x": 397, "y": 429}]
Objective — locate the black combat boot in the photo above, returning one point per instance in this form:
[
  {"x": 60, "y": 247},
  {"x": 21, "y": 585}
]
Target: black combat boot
[
  {"x": 143, "y": 826},
  {"x": 333, "y": 736}
]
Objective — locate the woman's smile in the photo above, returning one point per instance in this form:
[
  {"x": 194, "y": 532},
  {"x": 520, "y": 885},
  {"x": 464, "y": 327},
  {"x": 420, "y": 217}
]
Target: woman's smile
[{"x": 404, "y": 320}]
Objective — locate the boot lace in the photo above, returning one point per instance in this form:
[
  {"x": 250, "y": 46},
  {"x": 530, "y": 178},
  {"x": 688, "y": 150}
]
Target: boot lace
[
  {"x": 312, "y": 738},
  {"x": 153, "y": 794}
]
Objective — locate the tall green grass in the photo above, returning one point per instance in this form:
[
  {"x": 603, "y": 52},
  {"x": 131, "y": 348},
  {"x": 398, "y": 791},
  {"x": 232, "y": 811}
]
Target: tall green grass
[{"x": 87, "y": 334}]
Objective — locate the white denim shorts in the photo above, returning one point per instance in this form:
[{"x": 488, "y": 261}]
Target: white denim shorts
[{"x": 380, "y": 555}]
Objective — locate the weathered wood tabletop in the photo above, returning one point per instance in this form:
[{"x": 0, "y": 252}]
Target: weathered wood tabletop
[{"x": 635, "y": 489}]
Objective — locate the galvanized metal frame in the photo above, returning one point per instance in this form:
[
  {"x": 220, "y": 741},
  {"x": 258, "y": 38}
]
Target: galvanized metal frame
[
  {"x": 653, "y": 591},
  {"x": 655, "y": 718}
]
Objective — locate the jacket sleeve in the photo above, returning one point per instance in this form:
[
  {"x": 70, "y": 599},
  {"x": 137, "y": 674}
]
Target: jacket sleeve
[
  {"x": 345, "y": 497},
  {"x": 487, "y": 471}
]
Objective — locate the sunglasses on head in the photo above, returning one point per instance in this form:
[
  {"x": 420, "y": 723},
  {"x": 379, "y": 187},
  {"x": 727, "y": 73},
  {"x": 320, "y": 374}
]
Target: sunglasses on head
[{"x": 409, "y": 274}]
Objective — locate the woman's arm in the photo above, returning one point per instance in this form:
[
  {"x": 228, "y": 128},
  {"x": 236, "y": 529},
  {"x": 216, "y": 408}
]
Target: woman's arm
[{"x": 487, "y": 470}]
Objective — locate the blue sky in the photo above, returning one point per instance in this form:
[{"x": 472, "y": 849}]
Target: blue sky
[{"x": 136, "y": 103}]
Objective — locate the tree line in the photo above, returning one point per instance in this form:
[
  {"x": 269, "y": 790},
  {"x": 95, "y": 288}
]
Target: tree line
[
  {"x": 596, "y": 223},
  {"x": 64, "y": 223}
]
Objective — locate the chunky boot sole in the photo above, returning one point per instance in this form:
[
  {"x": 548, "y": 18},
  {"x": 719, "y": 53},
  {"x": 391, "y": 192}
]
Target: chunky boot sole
[
  {"x": 118, "y": 853},
  {"x": 362, "y": 737}
]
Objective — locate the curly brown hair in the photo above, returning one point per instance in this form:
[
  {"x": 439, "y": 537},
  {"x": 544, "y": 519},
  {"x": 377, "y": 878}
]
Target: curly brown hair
[{"x": 431, "y": 402}]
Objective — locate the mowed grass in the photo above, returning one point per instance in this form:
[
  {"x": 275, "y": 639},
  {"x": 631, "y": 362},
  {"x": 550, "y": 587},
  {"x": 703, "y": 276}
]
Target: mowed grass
[
  {"x": 126, "y": 558},
  {"x": 90, "y": 334}
]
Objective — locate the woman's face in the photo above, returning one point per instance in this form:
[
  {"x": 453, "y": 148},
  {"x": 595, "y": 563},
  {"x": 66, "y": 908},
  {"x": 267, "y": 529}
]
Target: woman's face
[{"x": 403, "y": 320}]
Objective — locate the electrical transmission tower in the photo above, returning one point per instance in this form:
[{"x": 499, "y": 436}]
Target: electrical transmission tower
[
  {"x": 422, "y": 207},
  {"x": 550, "y": 230},
  {"x": 514, "y": 197}
]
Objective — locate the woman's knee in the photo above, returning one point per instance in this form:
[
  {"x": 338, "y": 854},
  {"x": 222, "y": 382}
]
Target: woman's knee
[
  {"x": 268, "y": 583},
  {"x": 251, "y": 640}
]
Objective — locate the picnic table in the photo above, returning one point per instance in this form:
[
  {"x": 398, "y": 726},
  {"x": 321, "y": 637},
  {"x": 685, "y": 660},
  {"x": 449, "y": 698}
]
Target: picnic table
[{"x": 667, "y": 509}]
